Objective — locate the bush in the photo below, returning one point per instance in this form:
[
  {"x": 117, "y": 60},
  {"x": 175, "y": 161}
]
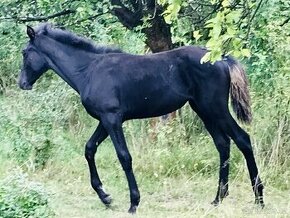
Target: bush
[
  {"x": 32, "y": 125},
  {"x": 20, "y": 197}
]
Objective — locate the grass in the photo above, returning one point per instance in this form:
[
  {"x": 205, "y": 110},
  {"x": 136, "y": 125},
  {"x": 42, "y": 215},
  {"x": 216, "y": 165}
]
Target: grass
[
  {"x": 168, "y": 197},
  {"x": 163, "y": 195}
]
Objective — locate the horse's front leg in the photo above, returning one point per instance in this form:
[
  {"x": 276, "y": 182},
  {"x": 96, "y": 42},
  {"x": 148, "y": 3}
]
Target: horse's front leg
[
  {"x": 96, "y": 139},
  {"x": 113, "y": 125}
]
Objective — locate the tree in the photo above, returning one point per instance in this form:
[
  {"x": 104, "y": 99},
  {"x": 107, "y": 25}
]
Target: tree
[
  {"x": 223, "y": 25},
  {"x": 137, "y": 13}
]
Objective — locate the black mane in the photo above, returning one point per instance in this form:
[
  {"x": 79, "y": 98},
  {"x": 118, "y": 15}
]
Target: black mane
[{"x": 69, "y": 38}]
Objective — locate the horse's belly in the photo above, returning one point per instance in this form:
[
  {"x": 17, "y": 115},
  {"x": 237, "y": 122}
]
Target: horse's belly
[{"x": 153, "y": 107}]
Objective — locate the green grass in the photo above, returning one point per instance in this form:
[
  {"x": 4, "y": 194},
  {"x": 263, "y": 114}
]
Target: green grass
[
  {"x": 179, "y": 194},
  {"x": 161, "y": 196},
  {"x": 167, "y": 197}
]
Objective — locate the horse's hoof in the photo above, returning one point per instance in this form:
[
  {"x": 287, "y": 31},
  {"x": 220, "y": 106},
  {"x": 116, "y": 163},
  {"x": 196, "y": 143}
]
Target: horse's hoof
[
  {"x": 132, "y": 209},
  {"x": 107, "y": 200},
  {"x": 260, "y": 202},
  {"x": 262, "y": 205},
  {"x": 215, "y": 202}
]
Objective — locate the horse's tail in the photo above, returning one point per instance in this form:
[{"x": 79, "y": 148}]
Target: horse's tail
[{"x": 239, "y": 91}]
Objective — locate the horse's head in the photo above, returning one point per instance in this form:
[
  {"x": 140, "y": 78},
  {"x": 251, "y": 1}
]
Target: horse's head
[{"x": 34, "y": 63}]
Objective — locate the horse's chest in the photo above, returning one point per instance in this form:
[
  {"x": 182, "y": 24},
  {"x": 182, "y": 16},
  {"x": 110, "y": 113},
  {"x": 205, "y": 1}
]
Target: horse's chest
[
  {"x": 90, "y": 107},
  {"x": 96, "y": 105}
]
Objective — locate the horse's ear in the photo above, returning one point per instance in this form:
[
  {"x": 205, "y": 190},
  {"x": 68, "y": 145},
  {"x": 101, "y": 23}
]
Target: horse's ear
[{"x": 30, "y": 32}]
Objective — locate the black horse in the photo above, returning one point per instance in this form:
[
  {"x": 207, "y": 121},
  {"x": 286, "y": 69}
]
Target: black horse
[{"x": 115, "y": 87}]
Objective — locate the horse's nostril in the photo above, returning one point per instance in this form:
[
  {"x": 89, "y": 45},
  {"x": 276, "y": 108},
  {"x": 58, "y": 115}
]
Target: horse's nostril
[{"x": 24, "y": 85}]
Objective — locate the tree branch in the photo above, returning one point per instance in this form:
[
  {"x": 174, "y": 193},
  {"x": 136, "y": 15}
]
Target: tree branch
[
  {"x": 40, "y": 18},
  {"x": 215, "y": 9},
  {"x": 137, "y": 4},
  {"x": 255, "y": 12},
  {"x": 90, "y": 17},
  {"x": 127, "y": 17},
  {"x": 285, "y": 22},
  {"x": 252, "y": 18}
]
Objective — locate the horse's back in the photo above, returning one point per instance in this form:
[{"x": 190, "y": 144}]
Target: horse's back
[{"x": 143, "y": 86}]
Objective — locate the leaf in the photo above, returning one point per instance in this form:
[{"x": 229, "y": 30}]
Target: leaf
[
  {"x": 236, "y": 53},
  {"x": 80, "y": 9},
  {"x": 167, "y": 18},
  {"x": 161, "y": 2},
  {"x": 233, "y": 16},
  {"x": 216, "y": 31},
  {"x": 209, "y": 25},
  {"x": 171, "y": 11},
  {"x": 205, "y": 58},
  {"x": 210, "y": 21},
  {"x": 225, "y": 3},
  {"x": 216, "y": 55},
  {"x": 231, "y": 31},
  {"x": 225, "y": 37},
  {"x": 246, "y": 52},
  {"x": 211, "y": 43},
  {"x": 196, "y": 35}
]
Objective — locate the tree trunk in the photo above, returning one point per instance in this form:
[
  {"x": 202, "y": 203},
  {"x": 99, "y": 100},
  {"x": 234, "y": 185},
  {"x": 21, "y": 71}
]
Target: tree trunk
[{"x": 158, "y": 35}]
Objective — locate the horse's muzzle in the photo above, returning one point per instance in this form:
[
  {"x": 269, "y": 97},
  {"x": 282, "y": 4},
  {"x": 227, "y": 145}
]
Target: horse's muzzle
[{"x": 24, "y": 85}]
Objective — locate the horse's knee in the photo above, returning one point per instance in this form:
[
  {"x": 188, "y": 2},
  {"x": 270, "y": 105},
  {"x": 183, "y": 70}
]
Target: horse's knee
[
  {"x": 90, "y": 151},
  {"x": 125, "y": 160}
]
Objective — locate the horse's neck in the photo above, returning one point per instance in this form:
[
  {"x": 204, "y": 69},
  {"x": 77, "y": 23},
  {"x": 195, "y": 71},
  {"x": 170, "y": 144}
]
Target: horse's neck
[{"x": 69, "y": 65}]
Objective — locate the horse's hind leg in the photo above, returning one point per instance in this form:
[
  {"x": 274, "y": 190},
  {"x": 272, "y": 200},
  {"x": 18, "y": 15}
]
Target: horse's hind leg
[
  {"x": 96, "y": 139},
  {"x": 222, "y": 143},
  {"x": 242, "y": 140}
]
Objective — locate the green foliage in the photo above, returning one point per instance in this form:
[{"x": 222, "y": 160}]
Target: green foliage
[
  {"x": 172, "y": 9},
  {"x": 224, "y": 35},
  {"x": 11, "y": 41},
  {"x": 223, "y": 26},
  {"x": 269, "y": 64},
  {"x": 20, "y": 197},
  {"x": 30, "y": 122},
  {"x": 270, "y": 79}
]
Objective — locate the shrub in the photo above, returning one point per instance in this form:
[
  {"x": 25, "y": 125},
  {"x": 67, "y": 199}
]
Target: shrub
[{"x": 20, "y": 197}]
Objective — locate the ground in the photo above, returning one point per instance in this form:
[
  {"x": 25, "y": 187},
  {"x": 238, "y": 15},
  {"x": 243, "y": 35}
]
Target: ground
[{"x": 171, "y": 197}]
